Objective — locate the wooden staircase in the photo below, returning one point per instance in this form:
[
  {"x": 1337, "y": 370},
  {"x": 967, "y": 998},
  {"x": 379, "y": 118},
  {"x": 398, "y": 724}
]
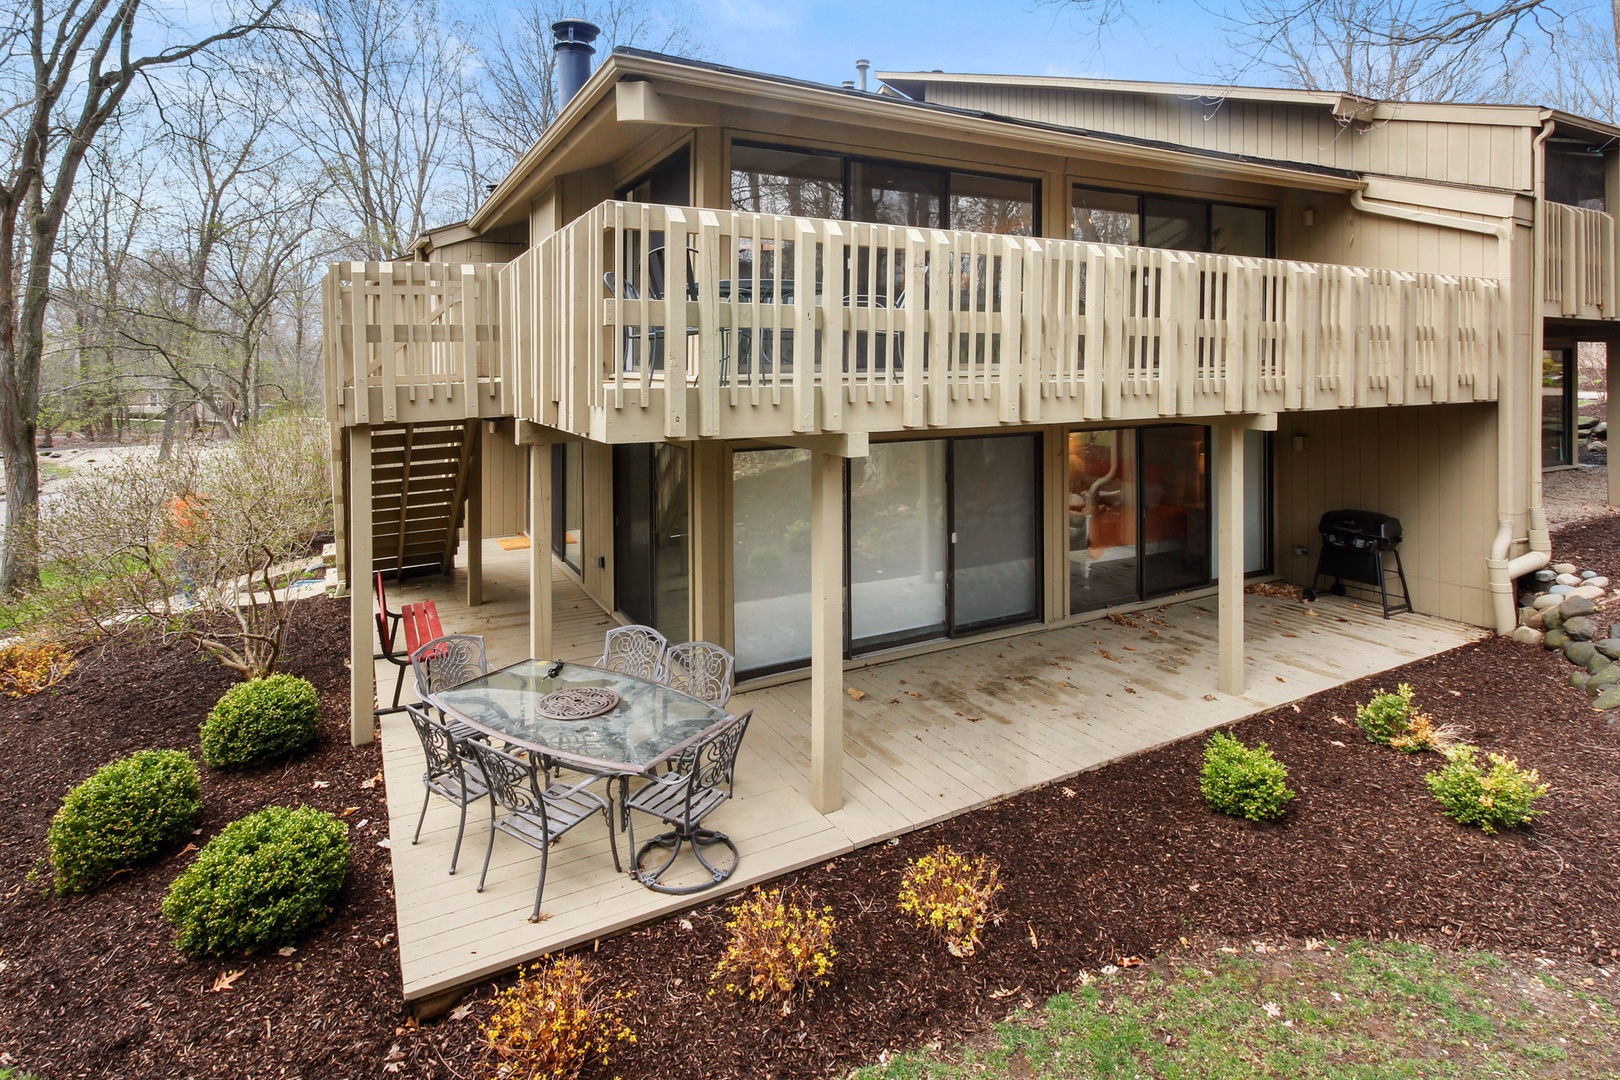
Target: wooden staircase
[{"x": 421, "y": 476}]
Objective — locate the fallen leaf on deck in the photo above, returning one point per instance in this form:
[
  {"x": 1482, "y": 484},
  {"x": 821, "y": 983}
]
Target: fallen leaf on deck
[
  {"x": 1130, "y": 690},
  {"x": 1105, "y": 654},
  {"x": 913, "y": 693},
  {"x": 225, "y": 980},
  {"x": 856, "y": 695}
]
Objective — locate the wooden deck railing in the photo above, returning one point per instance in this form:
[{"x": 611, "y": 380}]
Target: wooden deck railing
[
  {"x": 422, "y": 338},
  {"x": 781, "y": 325},
  {"x": 1579, "y": 273}
]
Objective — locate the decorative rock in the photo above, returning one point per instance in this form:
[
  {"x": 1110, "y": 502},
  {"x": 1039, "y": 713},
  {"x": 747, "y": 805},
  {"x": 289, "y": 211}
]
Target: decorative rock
[
  {"x": 1579, "y": 679},
  {"x": 1588, "y": 575},
  {"x": 1560, "y": 590},
  {"x": 1590, "y": 592},
  {"x": 1525, "y": 615},
  {"x": 1575, "y": 606},
  {"x": 1535, "y": 621},
  {"x": 1598, "y": 663},
  {"x": 1545, "y": 601},
  {"x": 1580, "y": 628},
  {"x": 1563, "y": 568},
  {"x": 1609, "y": 699},
  {"x": 1552, "y": 619},
  {"x": 1546, "y": 576},
  {"x": 1568, "y": 579},
  {"x": 1555, "y": 639},
  {"x": 1600, "y": 582},
  {"x": 1580, "y": 652},
  {"x": 1609, "y": 676},
  {"x": 1609, "y": 647},
  {"x": 1527, "y": 635}
]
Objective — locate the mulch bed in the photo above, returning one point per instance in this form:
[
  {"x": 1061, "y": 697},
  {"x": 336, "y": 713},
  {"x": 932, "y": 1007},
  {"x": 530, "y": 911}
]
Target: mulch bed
[{"x": 1121, "y": 862}]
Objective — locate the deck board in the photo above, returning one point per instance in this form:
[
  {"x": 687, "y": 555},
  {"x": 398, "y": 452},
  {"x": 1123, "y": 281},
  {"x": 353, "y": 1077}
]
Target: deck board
[{"x": 991, "y": 719}]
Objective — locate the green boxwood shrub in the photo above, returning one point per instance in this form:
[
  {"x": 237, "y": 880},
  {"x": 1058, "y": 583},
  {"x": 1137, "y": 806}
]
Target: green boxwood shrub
[
  {"x": 1493, "y": 797},
  {"x": 1246, "y": 782},
  {"x": 261, "y": 720},
  {"x": 261, "y": 882},
  {"x": 1387, "y": 716},
  {"x": 127, "y": 813}
]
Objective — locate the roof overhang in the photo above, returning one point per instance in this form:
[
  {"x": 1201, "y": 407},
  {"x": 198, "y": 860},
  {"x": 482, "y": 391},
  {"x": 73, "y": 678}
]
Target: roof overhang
[{"x": 632, "y": 89}]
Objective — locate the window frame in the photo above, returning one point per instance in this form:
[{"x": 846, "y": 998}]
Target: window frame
[{"x": 1141, "y": 198}]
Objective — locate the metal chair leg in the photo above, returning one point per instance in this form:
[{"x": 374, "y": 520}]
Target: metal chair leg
[
  {"x": 426, "y": 796},
  {"x": 488, "y": 851},
  {"x": 540, "y": 890},
  {"x": 461, "y": 830}
]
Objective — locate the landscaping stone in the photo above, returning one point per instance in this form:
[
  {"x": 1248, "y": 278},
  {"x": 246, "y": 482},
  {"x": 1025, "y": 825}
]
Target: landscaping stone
[
  {"x": 1598, "y": 663},
  {"x": 1588, "y": 575},
  {"x": 1576, "y": 606},
  {"x": 1552, "y": 619},
  {"x": 1563, "y": 568},
  {"x": 1580, "y": 628},
  {"x": 1589, "y": 592},
  {"x": 1609, "y": 676},
  {"x": 1580, "y": 679},
  {"x": 1568, "y": 579},
  {"x": 1581, "y": 652},
  {"x": 1555, "y": 639},
  {"x": 1609, "y": 699},
  {"x": 1527, "y": 635},
  {"x": 1534, "y": 622},
  {"x": 1546, "y": 576},
  {"x": 1546, "y": 600},
  {"x": 1609, "y": 647},
  {"x": 1525, "y": 615},
  {"x": 1560, "y": 590},
  {"x": 1600, "y": 581}
]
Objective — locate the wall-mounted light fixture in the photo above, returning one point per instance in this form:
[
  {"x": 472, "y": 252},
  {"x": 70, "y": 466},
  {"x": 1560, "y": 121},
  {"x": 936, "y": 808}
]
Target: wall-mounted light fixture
[
  {"x": 1310, "y": 218},
  {"x": 1301, "y": 442}
]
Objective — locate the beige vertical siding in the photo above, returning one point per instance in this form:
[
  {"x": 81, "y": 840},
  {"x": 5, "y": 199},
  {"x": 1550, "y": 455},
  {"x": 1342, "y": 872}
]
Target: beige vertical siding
[
  {"x": 1483, "y": 154},
  {"x": 1433, "y": 467},
  {"x": 477, "y": 251},
  {"x": 503, "y": 476}
]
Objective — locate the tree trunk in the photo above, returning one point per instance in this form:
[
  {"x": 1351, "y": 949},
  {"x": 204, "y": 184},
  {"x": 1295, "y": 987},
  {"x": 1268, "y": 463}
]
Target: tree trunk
[
  {"x": 19, "y": 562},
  {"x": 166, "y": 443}
]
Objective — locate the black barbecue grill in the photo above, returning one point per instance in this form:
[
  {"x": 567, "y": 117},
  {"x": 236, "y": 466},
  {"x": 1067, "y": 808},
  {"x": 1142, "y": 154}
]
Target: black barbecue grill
[{"x": 1355, "y": 544}]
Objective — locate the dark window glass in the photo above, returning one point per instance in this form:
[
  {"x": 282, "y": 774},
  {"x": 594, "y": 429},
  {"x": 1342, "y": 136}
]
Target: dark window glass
[
  {"x": 896, "y": 195},
  {"x": 669, "y": 182},
  {"x": 1175, "y": 224},
  {"x": 789, "y": 182},
  {"x": 1106, "y": 217},
  {"x": 992, "y": 204},
  {"x": 1557, "y": 407},
  {"x": 1238, "y": 230},
  {"x": 1575, "y": 176}
]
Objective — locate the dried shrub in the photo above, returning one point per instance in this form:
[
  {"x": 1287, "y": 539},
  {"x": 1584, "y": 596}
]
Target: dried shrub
[
  {"x": 952, "y": 895},
  {"x": 1495, "y": 796},
  {"x": 1422, "y": 733},
  {"x": 554, "y": 1022},
  {"x": 1246, "y": 782},
  {"x": 127, "y": 813},
  {"x": 27, "y": 667},
  {"x": 1387, "y": 717},
  {"x": 265, "y": 719},
  {"x": 260, "y": 883},
  {"x": 781, "y": 946}
]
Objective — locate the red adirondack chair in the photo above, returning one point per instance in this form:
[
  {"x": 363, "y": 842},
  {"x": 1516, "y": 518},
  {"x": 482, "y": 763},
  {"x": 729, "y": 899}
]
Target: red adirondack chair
[{"x": 421, "y": 624}]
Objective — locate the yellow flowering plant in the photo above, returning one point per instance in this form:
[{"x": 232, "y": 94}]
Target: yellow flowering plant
[
  {"x": 781, "y": 946},
  {"x": 553, "y": 1022},
  {"x": 952, "y": 895},
  {"x": 1496, "y": 795},
  {"x": 29, "y": 666}
]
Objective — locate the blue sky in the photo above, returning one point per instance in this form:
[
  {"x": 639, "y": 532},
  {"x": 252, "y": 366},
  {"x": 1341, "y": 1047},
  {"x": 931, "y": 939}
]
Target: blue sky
[{"x": 821, "y": 39}]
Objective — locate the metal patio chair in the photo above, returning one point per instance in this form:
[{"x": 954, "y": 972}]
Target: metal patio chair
[
  {"x": 447, "y": 774},
  {"x": 445, "y": 662},
  {"x": 700, "y": 668},
  {"x": 699, "y": 780},
  {"x": 538, "y": 813},
  {"x": 634, "y": 650}
]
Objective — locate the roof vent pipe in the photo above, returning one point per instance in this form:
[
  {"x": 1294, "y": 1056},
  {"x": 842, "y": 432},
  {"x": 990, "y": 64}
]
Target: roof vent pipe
[
  {"x": 863, "y": 66},
  {"x": 574, "y": 51}
]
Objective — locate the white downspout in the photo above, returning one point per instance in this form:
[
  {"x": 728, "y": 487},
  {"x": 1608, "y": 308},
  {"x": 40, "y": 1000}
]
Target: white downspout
[{"x": 1504, "y": 571}]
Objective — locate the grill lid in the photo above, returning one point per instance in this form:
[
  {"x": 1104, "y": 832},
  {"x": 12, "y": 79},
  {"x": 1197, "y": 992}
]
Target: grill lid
[{"x": 1364, "y": 523}]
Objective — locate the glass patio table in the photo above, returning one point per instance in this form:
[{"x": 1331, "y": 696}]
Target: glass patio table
[{"x": 649, "y": 724}]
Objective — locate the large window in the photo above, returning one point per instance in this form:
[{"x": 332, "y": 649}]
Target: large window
[
  {"x": 567, "y": 501},
  {"x": 1558, "y": 399},
  {"x": 773, "y": 180},
  {"x": 770, "y": 547},
  {"x": 1575, "y": 174},
  {"x": 1116, "y": 217}
]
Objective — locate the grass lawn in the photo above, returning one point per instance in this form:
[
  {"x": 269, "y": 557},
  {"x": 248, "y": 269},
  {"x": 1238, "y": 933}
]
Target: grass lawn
[{"x": 1357, "y": 1010}]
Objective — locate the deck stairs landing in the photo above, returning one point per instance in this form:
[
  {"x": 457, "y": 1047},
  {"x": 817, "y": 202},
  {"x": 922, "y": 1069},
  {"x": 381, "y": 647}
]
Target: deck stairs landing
[{"x": 420, "y": 476}]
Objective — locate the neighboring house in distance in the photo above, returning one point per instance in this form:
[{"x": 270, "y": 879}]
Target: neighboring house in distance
[{"x": 824, "y": 375}]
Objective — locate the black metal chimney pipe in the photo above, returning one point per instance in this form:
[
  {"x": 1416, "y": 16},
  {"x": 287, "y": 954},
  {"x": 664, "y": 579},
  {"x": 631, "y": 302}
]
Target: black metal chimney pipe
[{"x": 574, "y": 51}]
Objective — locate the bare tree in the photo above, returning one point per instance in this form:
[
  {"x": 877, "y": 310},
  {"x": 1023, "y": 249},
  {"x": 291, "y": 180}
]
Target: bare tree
[
  {"x": 65, "y": 70},
  {"x": 520, "y": 92}
]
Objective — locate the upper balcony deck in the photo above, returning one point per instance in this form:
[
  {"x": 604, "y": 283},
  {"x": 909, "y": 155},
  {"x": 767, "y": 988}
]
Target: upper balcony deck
[
  {"x": 1578, "y": 252},
  {"x": 775, "y": 326}
]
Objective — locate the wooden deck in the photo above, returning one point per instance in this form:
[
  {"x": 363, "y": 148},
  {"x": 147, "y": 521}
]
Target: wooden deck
[{"x": 933, "y": 736}]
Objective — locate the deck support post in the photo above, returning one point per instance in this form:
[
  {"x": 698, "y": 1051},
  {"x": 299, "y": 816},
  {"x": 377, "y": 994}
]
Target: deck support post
[
  {"x": 362, "y": 617},
  {"x": 1229, "y": 551},
  {"x": 826, "y": 631},
  {"x": 540, "y": 549},
  {"x": 475, "y": 518}
]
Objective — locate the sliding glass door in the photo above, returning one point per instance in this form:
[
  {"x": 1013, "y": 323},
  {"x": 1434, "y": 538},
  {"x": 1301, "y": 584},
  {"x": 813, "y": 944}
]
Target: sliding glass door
[
  {"x": 995, "y": 532},
  {"x": 651, "y": 560}
]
